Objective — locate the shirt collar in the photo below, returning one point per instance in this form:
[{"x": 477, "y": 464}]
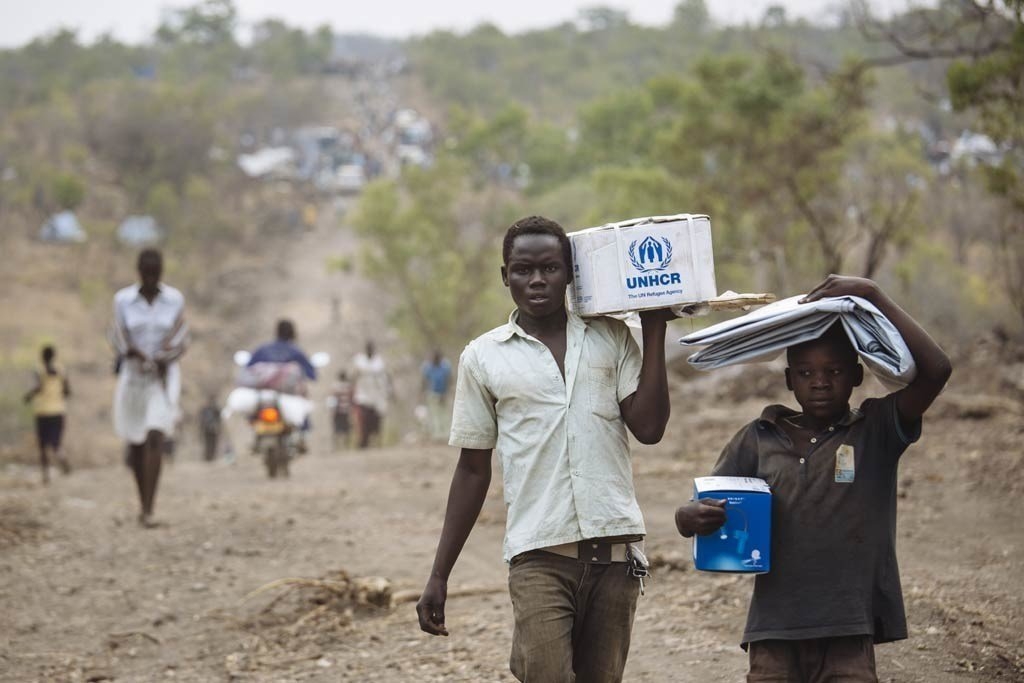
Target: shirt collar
[
  {"x": 512, "y": 328},
  {"x": 159, "y": 291},
  {"x": 773, "y": 414}
]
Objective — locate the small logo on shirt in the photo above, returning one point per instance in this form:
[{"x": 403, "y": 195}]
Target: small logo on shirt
[{"x": 845, "y": 468}]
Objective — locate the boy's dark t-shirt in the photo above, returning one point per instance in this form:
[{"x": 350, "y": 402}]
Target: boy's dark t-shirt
[{"x": 834, "y": 570}]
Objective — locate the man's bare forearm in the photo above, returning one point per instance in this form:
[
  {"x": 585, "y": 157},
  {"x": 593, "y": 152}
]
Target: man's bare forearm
[{"x": 466, "y": 497}]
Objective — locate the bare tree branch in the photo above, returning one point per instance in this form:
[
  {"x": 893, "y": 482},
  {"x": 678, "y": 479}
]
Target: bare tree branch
[
  {"x": 832, "y": 255},
  {"x": 978, "y": 30}
]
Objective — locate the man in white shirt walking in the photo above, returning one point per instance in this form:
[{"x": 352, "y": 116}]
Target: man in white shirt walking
[
  {"x": 371, "y": 392},
  {"x": 554, "y": 394}
]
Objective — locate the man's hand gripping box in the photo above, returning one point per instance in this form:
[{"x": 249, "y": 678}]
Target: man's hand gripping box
[
  {"x": 743, "y": 543},
  {"x": 642, "y": 263}
]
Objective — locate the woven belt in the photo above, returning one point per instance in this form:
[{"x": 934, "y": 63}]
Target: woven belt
[{"x": 591, "y": 552}]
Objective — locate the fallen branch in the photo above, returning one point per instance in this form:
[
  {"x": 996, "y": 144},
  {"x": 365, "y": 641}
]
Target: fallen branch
[
  {"x": 413, "y": 594},
  {"x": 290, "y": 660},
  {"x": 128, "y": 634},
  {"x": 312, "y": 614},
  {"x": 334, "y": 587}
]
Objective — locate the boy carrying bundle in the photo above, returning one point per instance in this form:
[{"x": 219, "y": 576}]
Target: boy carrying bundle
[{"x": 834, "y": 588}]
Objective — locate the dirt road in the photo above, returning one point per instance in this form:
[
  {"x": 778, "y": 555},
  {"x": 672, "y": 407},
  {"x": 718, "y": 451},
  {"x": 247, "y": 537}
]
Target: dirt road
[{"x": 85, "y": 595}]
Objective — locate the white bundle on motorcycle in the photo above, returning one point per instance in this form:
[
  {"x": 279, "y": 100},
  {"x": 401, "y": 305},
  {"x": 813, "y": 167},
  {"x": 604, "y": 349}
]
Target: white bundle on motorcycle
[
  {"x": 245, "y": 400},
  {"x": 288, "y": 378},
  {"x": 763, "y": 334}
]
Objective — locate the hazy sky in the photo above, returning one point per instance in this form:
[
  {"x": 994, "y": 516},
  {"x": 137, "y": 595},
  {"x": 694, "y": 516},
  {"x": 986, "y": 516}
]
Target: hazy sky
[{"x": 135, "y": 20}]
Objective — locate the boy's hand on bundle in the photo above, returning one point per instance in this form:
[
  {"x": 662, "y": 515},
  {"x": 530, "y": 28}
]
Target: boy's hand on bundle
[
  {"x": 701, "y": 517},
  {"x": 841, "y": 285}
]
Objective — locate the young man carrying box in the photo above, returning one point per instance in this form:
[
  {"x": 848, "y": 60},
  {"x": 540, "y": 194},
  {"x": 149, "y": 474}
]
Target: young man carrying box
[
  {"x": 554, "y": 394},
  {"x": 833, "y": 590}
]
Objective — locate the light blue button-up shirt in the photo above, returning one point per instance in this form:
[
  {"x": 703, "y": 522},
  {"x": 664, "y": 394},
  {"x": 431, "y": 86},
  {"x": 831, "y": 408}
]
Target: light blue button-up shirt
[{"x": 562, "y": 443}]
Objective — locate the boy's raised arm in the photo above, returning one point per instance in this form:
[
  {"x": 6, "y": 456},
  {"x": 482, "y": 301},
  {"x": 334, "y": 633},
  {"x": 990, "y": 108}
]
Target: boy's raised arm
[
  {"x": 933, "y": 365},
  {"x": 465, "y": 498},
  {"x": 646, "y": 410}
]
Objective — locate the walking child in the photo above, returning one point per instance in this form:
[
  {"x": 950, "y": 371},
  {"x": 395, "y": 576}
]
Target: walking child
[
  {"x": 554, "y": 394},
  {"x": 48, "y": 398},
  {"x": 833, "y": 591},
  {"x": 339, "y": 403},
  {"x": 210, "y": 427}
]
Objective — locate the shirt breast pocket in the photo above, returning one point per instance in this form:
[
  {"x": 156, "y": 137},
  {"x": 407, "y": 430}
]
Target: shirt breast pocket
[{"x": 601, "y": 386}]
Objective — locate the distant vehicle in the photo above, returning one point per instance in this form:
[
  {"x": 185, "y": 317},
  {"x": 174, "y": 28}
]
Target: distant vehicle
[
  {"x": 418, "y": 132},
  {"x": 270, "y": 161},
  {"x": 412, "y": 154},
  {"x": 350, "y": 178},
  {"x": 346, "y": 179},
  {"x": 405, "y": 117}
]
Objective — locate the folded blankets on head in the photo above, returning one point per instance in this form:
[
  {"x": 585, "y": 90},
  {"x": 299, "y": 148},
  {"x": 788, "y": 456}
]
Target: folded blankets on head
[{"x": 763, "y": 334}]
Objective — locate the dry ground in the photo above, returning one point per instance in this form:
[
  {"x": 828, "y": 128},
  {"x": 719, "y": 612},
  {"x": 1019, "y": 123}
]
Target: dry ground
[{"x": 85, "y": 595}]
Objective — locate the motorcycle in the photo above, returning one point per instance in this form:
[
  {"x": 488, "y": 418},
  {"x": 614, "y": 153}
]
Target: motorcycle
[{"x": 277, "y": 417}]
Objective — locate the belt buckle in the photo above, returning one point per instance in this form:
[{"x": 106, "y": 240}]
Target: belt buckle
[{"x": 595, "y": 552}]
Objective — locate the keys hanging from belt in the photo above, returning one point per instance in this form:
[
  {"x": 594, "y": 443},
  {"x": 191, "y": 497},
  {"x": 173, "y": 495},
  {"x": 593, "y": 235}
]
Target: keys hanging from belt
[{"x": 637, "y": 565}]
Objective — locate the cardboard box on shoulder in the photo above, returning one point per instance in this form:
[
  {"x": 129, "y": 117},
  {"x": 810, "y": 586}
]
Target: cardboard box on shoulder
[
  {"x": 743, "y": 544},
  {"x": 642, "y": 263}
]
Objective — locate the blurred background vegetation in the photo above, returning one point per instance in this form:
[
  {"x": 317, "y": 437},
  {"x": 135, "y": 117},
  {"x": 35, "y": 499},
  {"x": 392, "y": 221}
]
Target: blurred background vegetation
[{"x": 887, "y": 148}]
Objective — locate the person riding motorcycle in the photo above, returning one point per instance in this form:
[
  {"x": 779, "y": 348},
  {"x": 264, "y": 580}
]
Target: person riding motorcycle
[
  {"x": 283, "y": 350},
  {"x": 282, "y": 365}
]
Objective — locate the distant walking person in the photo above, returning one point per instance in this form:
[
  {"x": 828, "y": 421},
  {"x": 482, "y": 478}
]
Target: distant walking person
[
  {"x": 150, "y": 335},
  {"x": 209, "y": 428},
  {"x": 339, "y": 403},
  {"x": 48, "y": 401},
  {"x": 372, "y": 391},
  {"x": 437, "y": 374}
]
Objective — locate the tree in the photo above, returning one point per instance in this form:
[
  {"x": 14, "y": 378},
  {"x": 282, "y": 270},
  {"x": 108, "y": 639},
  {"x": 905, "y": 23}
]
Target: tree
[
  {"x": 627, "y": 192},
  {"x": 691, "y": 17},
  {"x": 284, "y": 52},
  {"x": 616, "y": 129},
  {"x": 494, "y": 145},
  {"x": 757, "y": 142},
  {"x": 884, "y": 180},
  {"x": 68, "y": 191},
  {"x": 207, "y": 24},
  {"x": 431, "y": 244},
  {"x": 985, "y": 41},
  {"x": 774, "y": 16},
  {"x": 199, "y": 41},
  {"x": 150, "y": 134},
  {"x": 602, "y": 18}
]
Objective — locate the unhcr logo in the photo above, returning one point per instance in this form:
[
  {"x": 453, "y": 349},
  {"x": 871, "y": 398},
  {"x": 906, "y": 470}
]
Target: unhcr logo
[{"x": 651, "y": 256}]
